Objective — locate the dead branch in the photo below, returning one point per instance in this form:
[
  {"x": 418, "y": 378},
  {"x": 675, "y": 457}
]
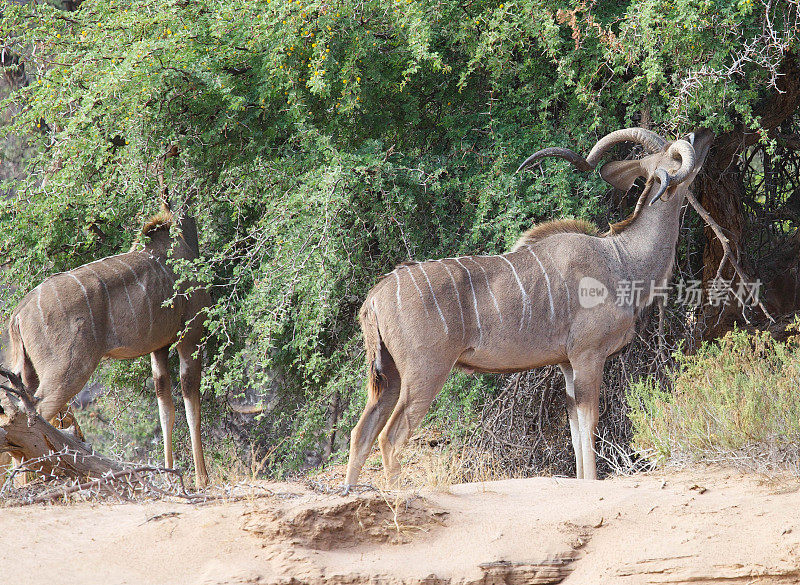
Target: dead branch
[
  {"x": 26, "y": 435},
  {"x": 19, "y": 390},
  {"x": 727, "y": 253},
  {"x": 246, "y": 408},
  {"x": 56, "y": 456},
  {"x": 130, "y": 484},
  {"x": 115, "y": 477}
]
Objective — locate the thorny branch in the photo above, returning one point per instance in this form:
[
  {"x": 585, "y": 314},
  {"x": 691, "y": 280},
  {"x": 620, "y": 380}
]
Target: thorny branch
[
  {"x": 125, "y": 484},
  {"x": 765, "y": 50}
]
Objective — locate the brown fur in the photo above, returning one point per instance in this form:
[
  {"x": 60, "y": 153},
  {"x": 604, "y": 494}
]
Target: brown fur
[
  {"x": 162, "y": 219},
  {"x": 372, "y": 346},
  {"x": 558, "y": 226},
  {"x": 19, "y": 358},
  {"x": 370, "y": 330},
  {"x": 618, "y": 227},
  {"x": 374, "y": 380},
  {"x": 17, "y": 349}
]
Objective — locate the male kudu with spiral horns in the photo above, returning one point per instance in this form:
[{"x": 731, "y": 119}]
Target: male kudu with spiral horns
[{"x": 548, "y": 301}]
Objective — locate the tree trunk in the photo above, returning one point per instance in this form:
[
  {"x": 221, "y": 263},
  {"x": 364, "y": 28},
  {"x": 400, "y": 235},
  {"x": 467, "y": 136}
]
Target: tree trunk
[
  {"x": 720, "y": 190},
  {"x": 333, "y": 420}
]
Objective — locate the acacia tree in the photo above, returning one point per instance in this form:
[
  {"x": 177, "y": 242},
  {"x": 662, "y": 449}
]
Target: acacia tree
[{"x": 323, "y": 142}]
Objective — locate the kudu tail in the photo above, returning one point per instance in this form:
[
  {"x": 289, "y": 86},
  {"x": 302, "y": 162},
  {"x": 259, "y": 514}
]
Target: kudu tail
[
  {"x": 374, "y": 350},
  {"x": 383, "y": 390},
  {"x": 20, "y": 361}
]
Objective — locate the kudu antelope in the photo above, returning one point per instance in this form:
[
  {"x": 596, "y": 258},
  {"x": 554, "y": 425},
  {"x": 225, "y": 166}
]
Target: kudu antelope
[
  {"x": 115, "y": 307},
  {"x": 525, "y": 309}
]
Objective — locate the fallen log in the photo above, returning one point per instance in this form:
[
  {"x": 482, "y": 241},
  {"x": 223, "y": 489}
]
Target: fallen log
[
  {"x": 54, "y": 454},
  {"x": 26, "y": 435}
]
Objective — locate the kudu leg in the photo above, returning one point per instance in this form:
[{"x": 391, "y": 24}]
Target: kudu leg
[
  {"x": 414, "y": 403},
  {"x": 166, "y": 405},
  {"x": 376, "y": 413},
  {"x": 191, "y": 368},
  {"x": 588, "y": 376},
  {"x": 58, "y": 386},
  {"x": 572, "y": 412}
]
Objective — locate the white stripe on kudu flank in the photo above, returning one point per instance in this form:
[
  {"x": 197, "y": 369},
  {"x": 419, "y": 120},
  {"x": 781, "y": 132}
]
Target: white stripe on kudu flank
[
  {"x": 526, "y": 300},
  {"x": 39, "y": 306},
  {"x": 88, "y": 305},
  {"x": 124, "y": 286},
  {"x": 547, "y": 280},
  {"x": 55, "y": 294},
  {"x": 422, "y": 298},
  {"x": 491, "y": 294},
  {"x": 397, "y": 291},
  {"x": 108, "y": 298},
  {"x": 144, "y": 290},
  {"x": 474, "y": 300},
  {"x": 438, "y": 308},
  {"x": 458, "y": 298},
  {"x": 563, "y": 281},
  {"x": 132, "y": 271}
]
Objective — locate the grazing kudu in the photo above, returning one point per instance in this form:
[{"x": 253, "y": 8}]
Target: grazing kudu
[
  {"x": 121, "y": 307},
  {"x": 548, "y": 301}
]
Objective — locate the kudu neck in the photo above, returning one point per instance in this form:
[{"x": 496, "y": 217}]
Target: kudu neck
[
  {"x": 184, "y": 245},
  {"x": 189, "y": 231},
  {"x": 647, "y": 244}
]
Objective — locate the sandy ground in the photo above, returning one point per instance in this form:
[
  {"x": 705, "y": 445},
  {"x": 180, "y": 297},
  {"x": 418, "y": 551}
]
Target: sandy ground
[{"x": 698, "y": 526}]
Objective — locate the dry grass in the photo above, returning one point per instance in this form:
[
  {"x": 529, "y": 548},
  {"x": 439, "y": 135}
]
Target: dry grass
[
  {"x": 429, "y": 461},
  {"x": 434, "y": 463}
]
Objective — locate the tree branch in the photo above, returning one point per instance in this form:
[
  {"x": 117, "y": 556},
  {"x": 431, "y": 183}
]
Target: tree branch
[
  {"x": 726, "y": 249},
  {"x": 19, "y": 390}
]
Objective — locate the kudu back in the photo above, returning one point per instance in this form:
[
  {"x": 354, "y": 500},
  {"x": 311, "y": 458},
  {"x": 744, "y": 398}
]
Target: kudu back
[
  {"x": 120, "y": 307},
  {"x": 551, "y": 300}
]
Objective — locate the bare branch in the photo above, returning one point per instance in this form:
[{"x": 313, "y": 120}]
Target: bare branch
[
  {"x": 726, "y": 248},
  {"x": 19, "y": 390}
]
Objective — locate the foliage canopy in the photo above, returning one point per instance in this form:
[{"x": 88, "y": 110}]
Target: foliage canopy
[{"x": 324, "y": 142}]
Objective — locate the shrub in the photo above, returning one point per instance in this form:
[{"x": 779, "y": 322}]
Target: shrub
[{"x": 735, "y": 399}]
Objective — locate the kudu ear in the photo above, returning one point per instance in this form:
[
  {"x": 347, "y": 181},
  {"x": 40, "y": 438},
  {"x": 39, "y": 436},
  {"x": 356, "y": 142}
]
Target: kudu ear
[{"x": 621, "y": 174}]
